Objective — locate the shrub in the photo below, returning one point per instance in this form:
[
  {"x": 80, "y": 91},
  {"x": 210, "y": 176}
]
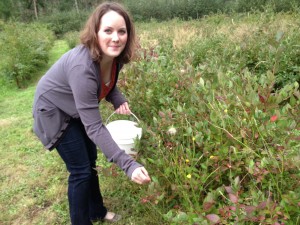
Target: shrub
[
  {"x": 232, "y": 147},
  {"x": 266, "y": 46},
  {"x": 25, "y": 50},
  {"x": 72, "y": 38},
  {"x": 160, "y": 10},
  {"x": 63, "y": 22},
  {"x": 220, "y": 141}
]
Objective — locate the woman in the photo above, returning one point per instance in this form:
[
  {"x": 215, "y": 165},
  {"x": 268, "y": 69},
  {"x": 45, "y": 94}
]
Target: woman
[{"x": 66, "y": 109}]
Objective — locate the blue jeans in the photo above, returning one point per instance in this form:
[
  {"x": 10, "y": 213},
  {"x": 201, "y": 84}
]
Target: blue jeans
[{"x": 79, "y": 154}]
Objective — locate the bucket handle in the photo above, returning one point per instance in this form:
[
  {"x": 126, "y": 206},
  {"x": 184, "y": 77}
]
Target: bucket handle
[{"x": 115, "y": 112}]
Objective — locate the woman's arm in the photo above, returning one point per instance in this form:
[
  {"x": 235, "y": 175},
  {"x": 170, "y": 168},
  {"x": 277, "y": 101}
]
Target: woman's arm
[{"x": 116, "y": 98}]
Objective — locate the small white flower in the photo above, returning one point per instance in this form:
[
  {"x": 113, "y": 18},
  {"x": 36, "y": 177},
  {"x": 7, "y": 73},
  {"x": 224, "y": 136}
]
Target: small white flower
[{"x": 172, "y": 131}]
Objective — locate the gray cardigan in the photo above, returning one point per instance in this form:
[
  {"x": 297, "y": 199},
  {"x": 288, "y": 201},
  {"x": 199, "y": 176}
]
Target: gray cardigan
[{"x": 70, "y": 89}]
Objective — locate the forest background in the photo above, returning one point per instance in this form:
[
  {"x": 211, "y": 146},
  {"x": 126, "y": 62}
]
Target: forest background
[{"x": 216, "y": 87}]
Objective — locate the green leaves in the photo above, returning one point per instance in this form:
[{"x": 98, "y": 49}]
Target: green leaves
[
  {"x": 218, "y": 121},
  {"x": 25, "y": 49}
]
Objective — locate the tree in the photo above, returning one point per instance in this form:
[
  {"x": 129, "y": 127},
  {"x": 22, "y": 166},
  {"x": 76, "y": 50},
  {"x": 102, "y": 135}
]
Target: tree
[
  {"x": 35, "y": 9},
  {"x": 6, "y": 9},
  {"x": 76, "y": 6}
]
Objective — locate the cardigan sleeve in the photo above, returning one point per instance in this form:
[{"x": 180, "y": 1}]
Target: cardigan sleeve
[{"x": 115, "y": 97}]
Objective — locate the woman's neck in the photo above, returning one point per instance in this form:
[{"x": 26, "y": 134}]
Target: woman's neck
[
  {"x": 106, "y": 68},
  {"x": 106, "y": 61},
  {"x": 106, "y": 64}
]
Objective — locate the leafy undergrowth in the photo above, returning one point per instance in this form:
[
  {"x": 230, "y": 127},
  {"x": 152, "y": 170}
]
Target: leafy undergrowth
[{"x": 219, "y": 100}]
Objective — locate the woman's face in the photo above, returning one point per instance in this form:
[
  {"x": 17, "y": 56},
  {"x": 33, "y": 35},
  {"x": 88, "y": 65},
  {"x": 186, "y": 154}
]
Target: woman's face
[{"x": 112, "y": 35}]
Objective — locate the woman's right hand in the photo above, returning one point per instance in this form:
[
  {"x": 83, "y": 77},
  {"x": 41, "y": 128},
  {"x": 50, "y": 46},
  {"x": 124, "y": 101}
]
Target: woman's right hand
[
  {"x": 140, "y": 176},
  {"x": 123, "y": 109}
]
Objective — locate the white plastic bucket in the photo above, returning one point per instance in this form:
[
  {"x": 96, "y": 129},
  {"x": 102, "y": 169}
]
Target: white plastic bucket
[{"x": 124, "y": 133}]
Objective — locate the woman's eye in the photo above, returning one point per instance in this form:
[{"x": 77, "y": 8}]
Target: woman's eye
[
  {"x": 122, "y": 32},
  {"x": 107, "y": 31}
]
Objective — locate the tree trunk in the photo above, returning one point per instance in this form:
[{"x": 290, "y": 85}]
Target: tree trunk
[
  {"x": 35, "y": 9},
  {"x": 76, "y": 5}
]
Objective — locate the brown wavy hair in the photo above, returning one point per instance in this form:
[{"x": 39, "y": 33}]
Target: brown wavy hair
[{"x": 89, "y": 37}]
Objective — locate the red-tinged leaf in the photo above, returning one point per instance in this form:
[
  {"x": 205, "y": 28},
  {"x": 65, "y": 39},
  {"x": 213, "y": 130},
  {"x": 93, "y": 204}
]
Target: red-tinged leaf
[
  {"x": 213, "y": 218},
  {"x": 144, "y": 200},
  {"x": 222, "y": 212},
  {"x": 276, "y": 223},
  {"x": 262, "y": 205},
  {"x": 262, "y": 99},
  {"x": 221, "y": 98},
  {"x": 233, "y": 198},
  {"x": 207, "y": 205},
  {"x": 261, "y": 218},
  {"x": 280, "y": 147},
  {"x": 249, "y": 209},
  {"x": 170, "y": 115},
  {"x": 176, "y": 207},
  {"x": 232, "y": 208},
  {"x": 229, "y": 190},
  {"x": 169, "y": 144},
  {"x": 273, "y": 118},
  {"x": 225, "y": 212},
  {"x": 161, "y": 114}
]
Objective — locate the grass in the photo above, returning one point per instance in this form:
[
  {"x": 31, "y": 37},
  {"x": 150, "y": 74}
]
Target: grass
[
  {"x": 33, "y": 188},
  {"x": 31, "y": 177}
]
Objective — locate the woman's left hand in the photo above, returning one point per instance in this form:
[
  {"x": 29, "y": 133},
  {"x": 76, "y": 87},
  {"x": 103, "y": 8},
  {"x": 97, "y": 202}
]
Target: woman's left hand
[{"x": 123, "y": 109}]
